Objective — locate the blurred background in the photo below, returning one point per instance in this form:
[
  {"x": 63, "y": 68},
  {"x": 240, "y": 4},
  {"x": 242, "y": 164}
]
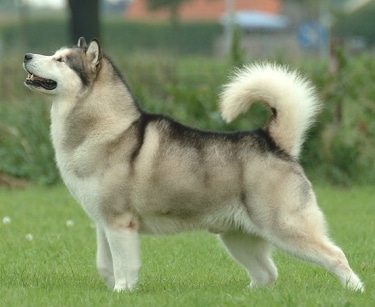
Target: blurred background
[{"x": 176, "y": 54}]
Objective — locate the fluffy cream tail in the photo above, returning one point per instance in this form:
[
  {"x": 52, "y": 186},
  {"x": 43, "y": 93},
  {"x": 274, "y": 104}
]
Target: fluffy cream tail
[{"x": 290, "y": 97}]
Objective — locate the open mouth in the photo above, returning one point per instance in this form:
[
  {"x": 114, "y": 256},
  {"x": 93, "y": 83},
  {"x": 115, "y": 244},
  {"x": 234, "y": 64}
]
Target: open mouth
[{"x": 40, "y": 82}]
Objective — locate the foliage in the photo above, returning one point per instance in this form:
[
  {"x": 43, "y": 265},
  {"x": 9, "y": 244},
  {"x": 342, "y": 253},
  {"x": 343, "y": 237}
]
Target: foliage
[
  {"x": 360, "y": 23},
  {"x": 42, "y": 35},
  {"x": 45, "y": 36},
  {"x": 187, "y": 38},
  {"x": 339, "y": 148},
  {"x": 236, "y": 52},
  {"x": 25, "y": 149},
  {"x": 57, "y": 267},
  {"x": 342, "y": 145}
]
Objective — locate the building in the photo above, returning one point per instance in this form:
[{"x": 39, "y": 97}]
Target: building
[
  {"x": 265, "y": 33},
  {"x": 200, "y": 10}
]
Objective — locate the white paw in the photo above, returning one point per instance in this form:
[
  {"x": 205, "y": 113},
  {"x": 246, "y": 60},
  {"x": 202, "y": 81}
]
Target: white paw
[
  {"x": 355, "y": 284},
  {"x": 119, "y": 289},
  {"x": 124, "y": 286}
]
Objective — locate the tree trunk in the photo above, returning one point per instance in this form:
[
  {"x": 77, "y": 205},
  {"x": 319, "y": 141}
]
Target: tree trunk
[
  {"x": 24, "y": 16},
  {"x": 84, "y": 19}
]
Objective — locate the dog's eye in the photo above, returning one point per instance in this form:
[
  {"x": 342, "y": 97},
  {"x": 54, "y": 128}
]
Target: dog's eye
[{"x": 60, "y": 59}]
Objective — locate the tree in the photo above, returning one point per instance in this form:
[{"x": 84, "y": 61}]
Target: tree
[
  {"x": 172, "y": 5},
  {"x": 84, "y": 19}
]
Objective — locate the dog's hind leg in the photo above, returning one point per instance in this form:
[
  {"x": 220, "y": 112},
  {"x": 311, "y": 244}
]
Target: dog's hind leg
[
  {"x": 254, "y": 254},
  {"x": 300, "y": 231},
  {"x": 104, "y": 262},
  {"x": 123, "y": 240}
]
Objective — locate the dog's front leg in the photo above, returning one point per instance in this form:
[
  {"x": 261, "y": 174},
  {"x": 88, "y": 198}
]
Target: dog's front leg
[
  {"x": 104, "y": 261},
  {"x": 124, "y": 245}
]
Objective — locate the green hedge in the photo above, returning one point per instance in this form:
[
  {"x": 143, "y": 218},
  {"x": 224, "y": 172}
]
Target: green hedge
[
  {"x": 360, "y": 23},
  {"x": 339, "y": 149},
  {"x": 42, "y": 35},
  {"x": 117, "y": 36},
  {"x": 183, "y": 38}
]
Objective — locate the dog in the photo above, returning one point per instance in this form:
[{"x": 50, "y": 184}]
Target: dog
[{"x": 135, "y": 172}]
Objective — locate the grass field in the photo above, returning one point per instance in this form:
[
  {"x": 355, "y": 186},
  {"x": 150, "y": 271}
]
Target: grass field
[{"x": 47, "y": 258}]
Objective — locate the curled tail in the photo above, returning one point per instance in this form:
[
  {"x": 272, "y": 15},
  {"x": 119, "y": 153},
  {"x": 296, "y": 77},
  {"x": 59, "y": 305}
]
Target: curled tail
[{"x": 290, "y": 97}]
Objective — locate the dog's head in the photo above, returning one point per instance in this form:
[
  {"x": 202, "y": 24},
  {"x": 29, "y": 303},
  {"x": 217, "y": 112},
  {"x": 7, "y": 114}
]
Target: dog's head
[{"x": 67, "y": 71}]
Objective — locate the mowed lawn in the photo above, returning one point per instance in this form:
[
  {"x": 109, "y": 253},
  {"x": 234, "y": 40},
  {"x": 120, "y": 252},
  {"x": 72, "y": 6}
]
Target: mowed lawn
[{"x": 47, "y": 258}]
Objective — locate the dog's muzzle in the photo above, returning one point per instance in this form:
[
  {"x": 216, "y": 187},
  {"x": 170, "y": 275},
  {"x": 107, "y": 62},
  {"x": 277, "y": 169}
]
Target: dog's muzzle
[{"x": 36, "y": 81}]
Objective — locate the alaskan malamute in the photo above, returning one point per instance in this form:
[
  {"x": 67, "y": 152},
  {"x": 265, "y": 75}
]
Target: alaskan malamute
[{"x": 135, "y": 172}]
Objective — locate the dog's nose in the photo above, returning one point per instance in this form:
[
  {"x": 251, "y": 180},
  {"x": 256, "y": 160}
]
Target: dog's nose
[{"x": 28, "y": 57}]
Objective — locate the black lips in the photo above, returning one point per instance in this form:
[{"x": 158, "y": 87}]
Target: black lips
[{"x": 41, "y": 82}]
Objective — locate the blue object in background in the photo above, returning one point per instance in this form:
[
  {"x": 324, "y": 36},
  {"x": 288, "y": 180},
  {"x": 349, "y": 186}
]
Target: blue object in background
[{"x": 311, "y": 35}]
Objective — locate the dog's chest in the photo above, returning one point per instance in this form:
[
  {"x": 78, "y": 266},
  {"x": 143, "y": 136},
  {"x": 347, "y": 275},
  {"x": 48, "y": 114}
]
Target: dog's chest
[
  {"x": 77, "y": 172},
  {"x": 84, "y": 189}
]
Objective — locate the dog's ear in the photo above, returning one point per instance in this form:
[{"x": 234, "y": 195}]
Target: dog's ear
[
  {"x": 94, "y": 54},
  {"x": 82, "y": 43}
]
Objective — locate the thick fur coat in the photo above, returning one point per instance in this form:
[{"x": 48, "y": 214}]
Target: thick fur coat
[{"x": 135, "y": 172}]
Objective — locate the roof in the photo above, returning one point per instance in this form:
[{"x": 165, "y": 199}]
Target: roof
[{"x": 195, "y": 10}]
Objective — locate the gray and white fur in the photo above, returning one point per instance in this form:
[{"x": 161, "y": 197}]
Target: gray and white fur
[{"x": 134, "y": 172}]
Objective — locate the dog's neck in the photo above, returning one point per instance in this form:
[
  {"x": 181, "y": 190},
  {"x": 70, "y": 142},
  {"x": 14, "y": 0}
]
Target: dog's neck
[{"x": 106, "y": 109}]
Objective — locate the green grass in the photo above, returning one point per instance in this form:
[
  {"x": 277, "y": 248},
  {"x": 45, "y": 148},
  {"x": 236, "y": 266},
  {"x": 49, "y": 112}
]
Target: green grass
[{"x": 57, "y": 267}]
